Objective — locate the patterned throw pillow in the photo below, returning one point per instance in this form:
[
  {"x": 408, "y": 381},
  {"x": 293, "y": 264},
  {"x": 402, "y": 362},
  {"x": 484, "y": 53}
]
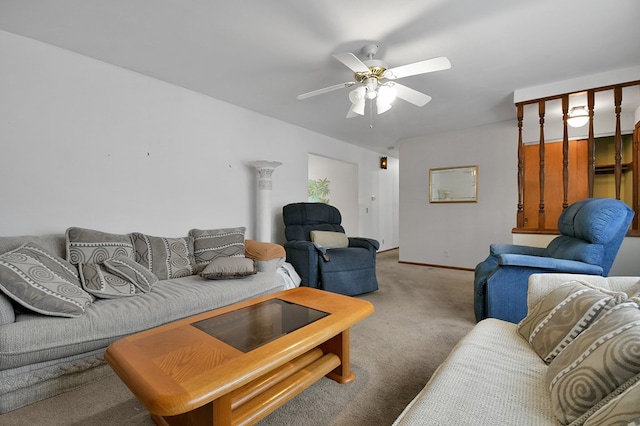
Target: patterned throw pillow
[
  {"x": 89, "y": 246},
  {"x": 99, "y": 282},
  {"x": 131, "y": 271},
  {"x": 598, "y": 362},
  {"x": 42, "y": 282},
  {"x": 563, "y": 314},
  {"x": 164, "y": 257},
  {"x": 214, "y": 243},
  {"x": 229, "y": 267},
  {"x": 621, "y": 408}
]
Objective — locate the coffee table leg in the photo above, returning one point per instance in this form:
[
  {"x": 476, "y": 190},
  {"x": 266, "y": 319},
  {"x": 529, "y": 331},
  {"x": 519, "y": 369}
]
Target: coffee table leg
[{"x": 339, "y": 345}]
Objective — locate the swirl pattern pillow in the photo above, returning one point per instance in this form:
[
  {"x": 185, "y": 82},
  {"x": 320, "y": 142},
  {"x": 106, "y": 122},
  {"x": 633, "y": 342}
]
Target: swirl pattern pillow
[
  {"x": 211, "y": 244},
  {"x": 103, "y": 284},
  {"x": 602, "y": 359},
  {"x": 89, "y": 246},
  {"x": 164, "y": 257},
  {"x": 564, "y": 313},
  {"x": 42, "y": 282}
]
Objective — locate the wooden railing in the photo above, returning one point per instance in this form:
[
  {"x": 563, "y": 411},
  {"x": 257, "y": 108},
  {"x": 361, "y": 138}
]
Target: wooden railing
[{"x": 546, "y": 223}]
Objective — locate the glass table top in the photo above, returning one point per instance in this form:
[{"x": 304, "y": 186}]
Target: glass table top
[{"x": 253, "y": 326}]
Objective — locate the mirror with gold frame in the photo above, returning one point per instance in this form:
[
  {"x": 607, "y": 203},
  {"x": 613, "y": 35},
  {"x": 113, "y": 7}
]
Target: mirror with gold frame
[{"x": 453, "y": 184}]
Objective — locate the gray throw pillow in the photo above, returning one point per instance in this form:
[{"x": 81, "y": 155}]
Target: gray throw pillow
[
  {"x": 42, "y": 282},
  {"x": 214, "y": 243},
  {"x": 229, "y": 267},
  {"x": 99, "y": 282},
  {"x": 131, "y": 271},
  {"x": 89, "y": 246},
  {"x": 164, "y": 257}
]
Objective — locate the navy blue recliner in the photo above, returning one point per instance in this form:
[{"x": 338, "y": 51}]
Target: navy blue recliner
[
  {"x": 592, "y": 231},
  {"x": 350, "y": 270}
]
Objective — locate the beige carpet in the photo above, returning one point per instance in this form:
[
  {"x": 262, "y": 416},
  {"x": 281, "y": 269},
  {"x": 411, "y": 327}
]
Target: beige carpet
[{"x": 421, "y": 313}]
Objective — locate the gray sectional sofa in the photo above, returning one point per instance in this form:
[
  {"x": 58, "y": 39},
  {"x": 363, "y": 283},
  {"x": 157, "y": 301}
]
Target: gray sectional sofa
[
  {"x": 42, "y": 355},
  {"x": 590, "y": 338}
]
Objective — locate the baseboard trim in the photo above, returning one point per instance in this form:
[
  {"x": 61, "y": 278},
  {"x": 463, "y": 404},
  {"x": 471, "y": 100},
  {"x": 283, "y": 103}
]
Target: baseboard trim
[{"x": 437, "y": 266}]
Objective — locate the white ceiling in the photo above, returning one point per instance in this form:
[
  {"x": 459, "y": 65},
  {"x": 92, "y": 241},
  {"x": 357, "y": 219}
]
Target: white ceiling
[{"x": 261, "y": 54}]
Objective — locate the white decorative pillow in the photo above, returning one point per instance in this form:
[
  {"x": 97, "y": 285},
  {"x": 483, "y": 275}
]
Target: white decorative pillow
[
  {"x": 229, "y": 267},
  {"x": 42, "y": 282},
  {"x": 564, "y": 313},
  {"x": 330, "y": 239},
  {"x": 598, "y": 362}
]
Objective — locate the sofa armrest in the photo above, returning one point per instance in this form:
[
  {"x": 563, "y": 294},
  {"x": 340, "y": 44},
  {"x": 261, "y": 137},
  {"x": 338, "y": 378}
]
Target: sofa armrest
[{"x": 259, "y": 250}]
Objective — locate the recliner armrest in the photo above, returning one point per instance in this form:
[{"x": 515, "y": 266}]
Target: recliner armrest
[
  {"x": 364, "y": 243},
  {"x": 549, "y": 264},
  {"x": 497, "y": 249}
]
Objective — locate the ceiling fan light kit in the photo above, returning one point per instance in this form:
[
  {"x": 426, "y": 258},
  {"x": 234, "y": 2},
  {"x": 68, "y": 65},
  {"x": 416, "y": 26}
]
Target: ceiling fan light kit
[{"x": 371, "y": 76}]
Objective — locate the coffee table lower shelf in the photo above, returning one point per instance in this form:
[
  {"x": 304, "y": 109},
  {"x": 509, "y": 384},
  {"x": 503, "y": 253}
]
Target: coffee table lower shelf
[{"x": 256, "y": 400}]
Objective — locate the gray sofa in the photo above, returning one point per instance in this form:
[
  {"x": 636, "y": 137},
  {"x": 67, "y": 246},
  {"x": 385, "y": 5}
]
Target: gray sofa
[
  {"x": 43, "y": 355},
  {"x": 495, "y": 377}
]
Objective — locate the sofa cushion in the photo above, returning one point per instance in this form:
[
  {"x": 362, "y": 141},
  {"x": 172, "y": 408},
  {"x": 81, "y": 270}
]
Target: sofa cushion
[
  {"x": 492, "y": 377},
  {"x": 330, "y": 239},
  {"x": 213, "y": 243},
  {"x": 229, "y": 267},
  {"x": 131, "y": 271},
  {"x": 603, "y": 358},
  {"x": 101, "y": 283},
  {"x": 7, "y": 313},
  {"x": 89, "y": 246},
  {"x": 164, "y": 257},
  {"x": 35, "y": 338},
  {"x": 42, "y": 282},
  {"x": 563, "y": 314}
]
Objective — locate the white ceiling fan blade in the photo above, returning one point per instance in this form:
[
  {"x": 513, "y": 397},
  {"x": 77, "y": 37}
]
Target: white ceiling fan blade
[
  {"x": 325, "y": 90},
  {"x": 410, "y": 95},
  {"x": 351, "y": 61},
  {"x": 429, "y": 65}
]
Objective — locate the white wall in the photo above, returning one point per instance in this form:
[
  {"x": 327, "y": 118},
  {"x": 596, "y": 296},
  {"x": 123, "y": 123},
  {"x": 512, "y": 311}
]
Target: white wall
[
  {"x": 458, "y": 234},
  {"x": 85, "y": 143},
  {"x": 428, "y": 232},
  {"x": 343, "y": 187}
]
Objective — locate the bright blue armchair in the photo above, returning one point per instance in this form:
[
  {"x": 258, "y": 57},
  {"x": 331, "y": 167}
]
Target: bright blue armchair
[{"x": 592, "y": 231}]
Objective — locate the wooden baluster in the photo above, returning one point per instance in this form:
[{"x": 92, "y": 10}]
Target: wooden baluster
[
  {"x": 636, "y": 179},
  {"x": 618, "y": 140},
  {"x": 591, "y": 147},
  {"x": 520, "y": 215},
  {"x": 565, "y": 152},
  {"x": 541, "y": 213}
]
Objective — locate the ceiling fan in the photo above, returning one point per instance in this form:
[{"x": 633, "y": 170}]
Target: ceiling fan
[{"x": 375, "y": 80}]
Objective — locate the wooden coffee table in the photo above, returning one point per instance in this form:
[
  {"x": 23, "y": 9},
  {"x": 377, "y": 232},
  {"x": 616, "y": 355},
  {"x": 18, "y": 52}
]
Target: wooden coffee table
[{"x": 237, "y": 364}]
